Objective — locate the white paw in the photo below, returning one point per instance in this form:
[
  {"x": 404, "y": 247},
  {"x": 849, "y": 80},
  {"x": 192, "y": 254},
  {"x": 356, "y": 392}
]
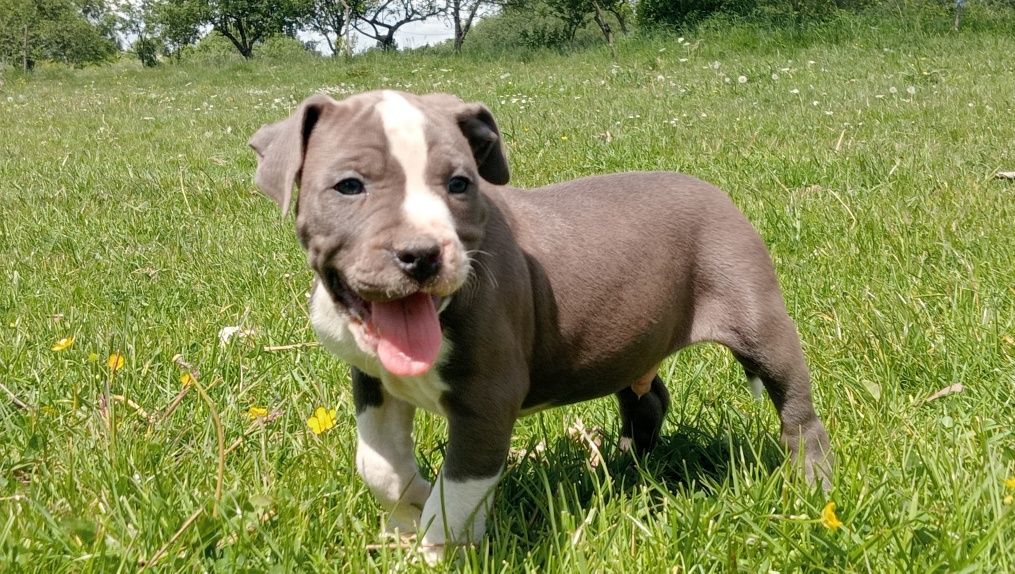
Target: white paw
[
  {"x": 404, "y": 519},
  {"x": 455, "y": 514},
  {"x": 626, "y": 444},
  {"x": 433, "y": 554}
]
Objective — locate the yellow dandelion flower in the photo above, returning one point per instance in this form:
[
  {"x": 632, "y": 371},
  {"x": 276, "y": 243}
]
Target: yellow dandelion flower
[
  {"x": 93, "y": 357},
  {"x": 186, "y": 379},
  {"x": 563, "y": 138},
  {"x": 115, "y": 362},
  {"x": 828, "y": 517},
  {"x": 1009, "y": 499},
  {"x": 322, "y": 420},
  {"x": 1010, "y": 483},
  {"x": 257, "y": 412},
  {"x": 63, "y": 344}
]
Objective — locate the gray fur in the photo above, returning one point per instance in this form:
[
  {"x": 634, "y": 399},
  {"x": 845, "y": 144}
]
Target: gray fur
[{"x": 575, "y": 291}]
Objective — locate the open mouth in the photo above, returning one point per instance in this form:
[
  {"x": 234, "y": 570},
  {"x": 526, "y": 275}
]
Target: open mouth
[
  {"x": 340, "y": 291},
  {"x": 407, "y": 329}
]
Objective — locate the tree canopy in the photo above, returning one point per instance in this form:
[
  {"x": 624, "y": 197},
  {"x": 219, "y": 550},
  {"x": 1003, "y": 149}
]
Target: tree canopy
[{"x": 75, "y": 32}]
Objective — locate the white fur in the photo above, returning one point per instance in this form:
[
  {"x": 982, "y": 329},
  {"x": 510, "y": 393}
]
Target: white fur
[
  {"x": 404, "y": 127},
  {"x": 348, "y": 340},
  {"x": 626, "y": 443},
  {"x": 340, "y": 335},
  {"x": 456, "y": 513},
  {"x": 424, "y": 391},
  {"x": 757, "y": 386},
  {"x": 385, "y": 460}
]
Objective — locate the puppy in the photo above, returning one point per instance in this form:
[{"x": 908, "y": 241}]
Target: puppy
[{"x": 446, "y": 290}]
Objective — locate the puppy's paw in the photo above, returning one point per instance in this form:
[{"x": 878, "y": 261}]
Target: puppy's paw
[
  {"x": 626, "y": 444},
  {"x": 403, "y": 520},
  {"x": 432, "y": 553}
]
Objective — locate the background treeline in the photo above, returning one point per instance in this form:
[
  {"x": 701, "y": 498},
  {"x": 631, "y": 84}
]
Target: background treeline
[{"x": 83, "y": 32}]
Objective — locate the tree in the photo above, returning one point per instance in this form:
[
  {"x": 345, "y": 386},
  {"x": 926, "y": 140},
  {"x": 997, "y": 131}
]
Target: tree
[
  {"x": 575, "y": 13},
  {"x": 333, "y": 18},
  {"x": 572, "y": 13},
  {"x": 385, "y": 17},
  {"x": 177, "y": 24},
  {"x": 463, "y": 13},
  {"x": 245, "y": 23},
  {"x": 133, "y": 23},
  {"x": 75, "y": 32}
]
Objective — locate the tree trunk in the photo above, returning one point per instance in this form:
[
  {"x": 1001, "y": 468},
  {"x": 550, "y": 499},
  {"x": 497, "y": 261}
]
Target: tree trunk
[
  {"x": 462, "y": 30},
  {"x": 603, "y": 25},
  {"x": 24, "y": 52},
  {"x": 456, "y": 16},
  {"x": 344, "y": 45},
  {"x": 621, "y": 20},
  {"x": 245, "y": 48}
]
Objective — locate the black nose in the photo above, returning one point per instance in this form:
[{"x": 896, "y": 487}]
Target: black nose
[{"x": 421, "y": 263}]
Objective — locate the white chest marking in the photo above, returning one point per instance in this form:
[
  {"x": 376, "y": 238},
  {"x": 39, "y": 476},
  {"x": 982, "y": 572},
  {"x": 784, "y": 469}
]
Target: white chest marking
[
  {"x": 346, "y": 339},
  {"x": 404, "y": 127}
]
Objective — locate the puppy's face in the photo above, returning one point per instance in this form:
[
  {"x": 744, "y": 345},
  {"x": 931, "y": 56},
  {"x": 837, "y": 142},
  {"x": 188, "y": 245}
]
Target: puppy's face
[{"x": 389, "y": 205}]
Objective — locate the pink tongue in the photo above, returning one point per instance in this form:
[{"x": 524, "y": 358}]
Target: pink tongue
[{"x": 409, "y": 332}]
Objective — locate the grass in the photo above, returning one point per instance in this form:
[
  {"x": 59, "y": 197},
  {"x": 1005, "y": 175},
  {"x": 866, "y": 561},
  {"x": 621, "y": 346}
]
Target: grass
[{"x": 128, "y": 220}]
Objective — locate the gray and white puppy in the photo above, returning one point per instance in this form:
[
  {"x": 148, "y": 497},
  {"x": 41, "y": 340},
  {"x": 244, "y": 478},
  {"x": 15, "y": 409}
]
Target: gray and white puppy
[{"x": 447, "y": 290}]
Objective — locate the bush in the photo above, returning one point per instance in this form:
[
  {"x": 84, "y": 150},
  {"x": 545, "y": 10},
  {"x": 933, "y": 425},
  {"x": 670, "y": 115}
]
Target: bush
[
  {"x": 529, "y": 25},
  {"x": 283, "y": 48},
  {"x": 147, "y": 51},
  {"x": 212, "y": 48},
  {"x": 680, "y": 14}
]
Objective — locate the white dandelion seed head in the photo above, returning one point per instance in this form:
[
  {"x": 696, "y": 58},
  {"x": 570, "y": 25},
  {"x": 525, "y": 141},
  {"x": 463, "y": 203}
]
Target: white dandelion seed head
[
  {"x": 893, "y": 90},
  {"x": 911, "y": 90},
  {"x": 742, "y": 79}
]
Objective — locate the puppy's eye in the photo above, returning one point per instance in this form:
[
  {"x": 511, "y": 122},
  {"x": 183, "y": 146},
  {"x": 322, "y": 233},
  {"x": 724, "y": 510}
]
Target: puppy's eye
[
  {"x": 350, "y": 186},
  {"x": 458, "y": 184}
]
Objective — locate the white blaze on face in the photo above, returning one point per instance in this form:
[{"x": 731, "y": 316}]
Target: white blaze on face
[{"x": 404, "y": 127}]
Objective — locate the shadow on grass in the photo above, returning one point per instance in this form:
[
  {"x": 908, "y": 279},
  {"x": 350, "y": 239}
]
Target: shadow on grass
[{"x": 540, "y": 490}]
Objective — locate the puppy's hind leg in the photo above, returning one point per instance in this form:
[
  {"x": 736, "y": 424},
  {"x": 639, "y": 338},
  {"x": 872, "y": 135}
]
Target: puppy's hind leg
[
  {"x": 769, "y": 349},
  {"x": 642, "y": 414}
]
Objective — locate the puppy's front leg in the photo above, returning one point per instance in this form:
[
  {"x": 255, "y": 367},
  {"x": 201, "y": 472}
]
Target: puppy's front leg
[
  {"x": 384, "y": 452},
  {"x": 456, "y": 511}
]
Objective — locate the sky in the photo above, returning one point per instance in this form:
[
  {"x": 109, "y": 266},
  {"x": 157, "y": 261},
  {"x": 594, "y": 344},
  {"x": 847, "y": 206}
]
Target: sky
[{"x": 412, "y": 35}]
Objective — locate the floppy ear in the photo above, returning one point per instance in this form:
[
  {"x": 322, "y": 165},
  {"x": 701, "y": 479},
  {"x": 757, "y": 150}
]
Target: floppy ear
[
  {"x": 479, "y": 127},
  {"x": 280, "y": 148}
]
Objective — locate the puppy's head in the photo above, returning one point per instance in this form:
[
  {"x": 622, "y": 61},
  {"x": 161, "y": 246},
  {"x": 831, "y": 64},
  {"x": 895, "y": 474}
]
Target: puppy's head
[{"x": 389, "y": 206}]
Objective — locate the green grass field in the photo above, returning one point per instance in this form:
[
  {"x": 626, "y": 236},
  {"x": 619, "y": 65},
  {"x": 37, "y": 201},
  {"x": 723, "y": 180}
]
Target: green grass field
[{"x": 128, "y": 220}]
